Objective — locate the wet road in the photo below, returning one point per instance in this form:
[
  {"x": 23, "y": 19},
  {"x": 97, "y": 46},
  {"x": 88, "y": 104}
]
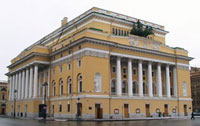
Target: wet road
[{"x": 27, "y": 122}]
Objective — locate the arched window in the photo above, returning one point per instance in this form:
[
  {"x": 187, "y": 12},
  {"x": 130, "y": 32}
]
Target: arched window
[
  {"x": 54, "y": 88},
  {"x": 97, "y": 82},
  {"x": 113, "y": 86},
  {"x": 184, "y": 88},
  {"x": 80, "y": 84},
  {"x": 124, "y": 87},
  {"x": 134, "y": 87},
  {"x": 69, "y": 83},
  {"x": 61, "y": 86}
]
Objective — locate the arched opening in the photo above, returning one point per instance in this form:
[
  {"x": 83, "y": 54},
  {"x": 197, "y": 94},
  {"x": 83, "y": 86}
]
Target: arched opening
[
  {"x": 53, "y": 88},
  {"x": 69, "y": 83},
  {"x": 80, "y": 84},
  {"x": 61, "y": 87}
]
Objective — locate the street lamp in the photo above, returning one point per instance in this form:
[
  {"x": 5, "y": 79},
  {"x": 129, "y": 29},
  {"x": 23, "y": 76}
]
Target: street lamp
[
  {"x": 45, "y": 106},
  {"x": 15, "y": 91}
]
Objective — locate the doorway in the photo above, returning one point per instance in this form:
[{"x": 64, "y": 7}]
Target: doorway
[
  {"x": 166, "y": 109},
  {"x": 126, "y": 113},
  {"x": 79, "y": 109},
  {"x": 185, "y": 110},
  {"x": 148, "y": 114},
  {"x": 98, "y": 111}
]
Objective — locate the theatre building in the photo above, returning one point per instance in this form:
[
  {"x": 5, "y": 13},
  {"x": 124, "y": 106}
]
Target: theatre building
[{"x": 94, "y": 67}]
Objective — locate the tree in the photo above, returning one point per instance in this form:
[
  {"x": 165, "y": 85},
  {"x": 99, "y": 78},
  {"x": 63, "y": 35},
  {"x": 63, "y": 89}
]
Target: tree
[{"x": 140, "y": 30}]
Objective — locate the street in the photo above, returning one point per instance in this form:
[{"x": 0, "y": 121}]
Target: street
[{"x": 29, "y": 122}]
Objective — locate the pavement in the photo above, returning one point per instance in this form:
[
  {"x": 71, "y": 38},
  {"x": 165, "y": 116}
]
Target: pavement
[{"x": 102, "y": 120}]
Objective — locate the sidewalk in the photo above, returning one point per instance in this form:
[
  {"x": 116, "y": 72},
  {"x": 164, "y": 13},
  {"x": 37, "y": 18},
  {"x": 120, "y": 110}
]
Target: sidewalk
[{"x": 102, "y": 120}]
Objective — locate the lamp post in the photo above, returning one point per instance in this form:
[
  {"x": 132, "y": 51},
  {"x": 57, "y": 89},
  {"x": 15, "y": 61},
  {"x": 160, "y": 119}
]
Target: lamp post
[
  {"x": 15, "y": 91},
  {"x": 45, "y": 106}
]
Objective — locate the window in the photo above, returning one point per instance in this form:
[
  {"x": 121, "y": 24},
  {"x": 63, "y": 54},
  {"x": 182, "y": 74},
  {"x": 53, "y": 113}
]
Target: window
[
  {"x": 113, "y": 31},
  {"x": 54, "y": 88},
  {"x": 69, "y": 51},
  {"x": 61, "y": 55},
  {"x": 184, "y": 88},
  {"x": 61, "y": 87},
  {"x": 68, "y": 107},
  {"x": 170, "y": 74},
  {"x": 61, "y": 69},
  {"x": 97, "y": 82},
  {"x": 134, "y": 87},
  {"x": 79, "y": 63},
  {"x": 152, "y": 74},
  {"x": 79, "y": 47},
  {"x": 69, "y": 66},
  {"x": 144, "y": 88},
  {"x": 60, "y": 108},
  {"x": 113, "y": 69},
  {"x": 124, "y": 87},
  {"x": 80, "y": 83},
  {"x": 53, "y": 71},
  {"x": 143, "y": 72},
  {"x": 124, "y": 70},
  {"x": 113, "y": 86},
  {"x": 3, "y": 97},
  {"x": 69, "y": 85},
  {"x": 134, "y": 71}
]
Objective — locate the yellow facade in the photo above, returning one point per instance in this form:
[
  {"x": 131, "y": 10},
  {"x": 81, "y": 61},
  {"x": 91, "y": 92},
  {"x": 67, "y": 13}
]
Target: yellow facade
[
  {"x": 79, "y": 61},
  {"x": 3, "y": 96}
]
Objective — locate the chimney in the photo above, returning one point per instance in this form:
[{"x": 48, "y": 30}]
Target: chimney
[{"x": 64, "y": 21}]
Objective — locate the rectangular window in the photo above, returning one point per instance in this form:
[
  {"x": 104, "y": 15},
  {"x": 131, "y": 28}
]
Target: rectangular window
[
  {"x": 68, "y": 107},
  {"x": 61, "y": 55},
  {"x": 134, "y": 71},
  {"x": 143, "y": 72},
  {"x": 113, "y": 69},
  {"x": 79, "y": 63},
  {"x": 124, "y": 70},
  {"x": 113, "y": 31},
  {"x": 3, "y": 97},
  {"x": 60, "y": 68},
  {"x": 60, "y": 108},
  {"x": 69, "y": 66},
  {"x": 152, "y": 74},
  {"x": 53, "y": 71}
]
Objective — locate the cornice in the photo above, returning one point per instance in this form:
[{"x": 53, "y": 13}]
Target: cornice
[
  {"x": 26, "y": 58},
  {"x": 121, "y": 46}
]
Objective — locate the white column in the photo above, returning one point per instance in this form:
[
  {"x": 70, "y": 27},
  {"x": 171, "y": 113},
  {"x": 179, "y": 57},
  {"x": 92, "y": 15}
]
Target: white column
[
  {"x": 140, "y": 78},
  {"x": 159, "y": 80},
  {"x": 23, "y": 84},
  {"x": 19, "y": 86},
  {"x": 13, "y": 86},
  {"x": 130, "y": 78},
  {"x": 35, "y": 81},
  {"x": 175, "y": 81},
  {"x": 39, "y": 84},
  {"x": 10, "y": 88},
  {"x": 168, "y": 82},
  {"x": 44, "y": 79},
  {"x": 48, "y": 94},
  {"x": 118, "y": 74},
  {"x": 27, "y": 83},
  {"x": 16, "y": 84},
  {"x": 31, "y": 83},
  {"x": 150, "y": 79}
]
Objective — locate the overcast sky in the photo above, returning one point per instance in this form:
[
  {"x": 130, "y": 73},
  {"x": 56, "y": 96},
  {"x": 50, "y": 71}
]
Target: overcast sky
[{"x": 23, "y": 22}]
